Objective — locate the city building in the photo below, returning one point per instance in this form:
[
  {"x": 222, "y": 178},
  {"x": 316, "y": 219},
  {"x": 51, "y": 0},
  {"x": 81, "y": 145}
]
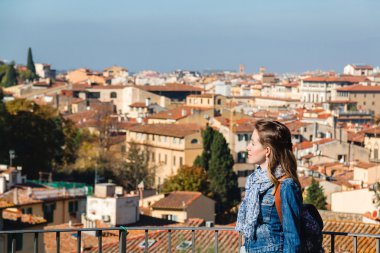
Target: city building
[
  {"x": 181, "y": 206},
  {"x": 358, "y": 70},
  {"x": 168, "y": 146}
]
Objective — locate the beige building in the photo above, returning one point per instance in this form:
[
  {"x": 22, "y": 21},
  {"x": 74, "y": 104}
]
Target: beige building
[
  {"x": 372, "y": 143},
  {"x": 207, "y": 101},
  {"x": 125, "y": 96},
  {"x": 356, "y": 201},
  {"x": 367, "y": 97},
  {"x": 169, "y": 146},
  {"x": 367, "y": 173},
  {"x": 85, "y": 75},
  {"x": 358, "y": 70},
  {"x": 182, "y": 205},
  {"x": 115, "y": 71}
]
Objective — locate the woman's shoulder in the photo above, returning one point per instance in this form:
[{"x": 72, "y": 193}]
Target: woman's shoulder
[{"x": 289, "y": 183}]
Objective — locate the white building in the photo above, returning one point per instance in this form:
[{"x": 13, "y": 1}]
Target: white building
[
  {"x": 358, "y": 70},
  {"x": 357, "y": 201},
  {"x": 110, "y": 205},
  {"x": 44, "y": 70}
]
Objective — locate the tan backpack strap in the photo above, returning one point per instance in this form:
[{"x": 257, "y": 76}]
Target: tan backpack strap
[{"x": 277, "y": 200}]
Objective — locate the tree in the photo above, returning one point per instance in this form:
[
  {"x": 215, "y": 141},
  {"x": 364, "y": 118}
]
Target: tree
[
  {"x": 223, "y": 180},
  {"x": 10, "y": 77},
  {"x": 204, "y": 159},
  {"x": 187, "y": 179},
  {"x": 136, "y": 168},
  {"x": 36, "y": 133},
  {"x": 30, "y": 63},
  {"x": 315, "y": 195}
]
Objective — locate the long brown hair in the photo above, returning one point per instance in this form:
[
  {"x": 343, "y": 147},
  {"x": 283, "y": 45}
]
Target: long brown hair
[{"x": 277, "y": 137}]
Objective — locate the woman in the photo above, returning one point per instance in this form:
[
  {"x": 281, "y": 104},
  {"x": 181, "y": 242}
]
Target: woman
[{"x": 271, "y": 149}]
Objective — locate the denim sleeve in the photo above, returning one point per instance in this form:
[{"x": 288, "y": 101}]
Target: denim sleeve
[{"x": 291, "y": 207}]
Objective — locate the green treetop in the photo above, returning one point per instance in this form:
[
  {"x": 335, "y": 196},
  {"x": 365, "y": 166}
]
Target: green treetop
[
  {"x": 315, "y": 195},
  {"x": 30, "y": 62},
  {"x": 204, "y": 159},
  {"x": 223, "y": 180}
]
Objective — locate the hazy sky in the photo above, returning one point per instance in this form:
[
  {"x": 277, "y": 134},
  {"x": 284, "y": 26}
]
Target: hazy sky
[{"x": 164, "y": 35}]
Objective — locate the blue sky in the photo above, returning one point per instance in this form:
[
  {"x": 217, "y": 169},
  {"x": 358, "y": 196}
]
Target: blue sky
[{"x": 164, "y": 35}]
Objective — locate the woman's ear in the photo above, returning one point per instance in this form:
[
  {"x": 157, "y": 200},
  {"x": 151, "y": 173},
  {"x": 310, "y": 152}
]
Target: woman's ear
[{"x": 267, "y": 152}]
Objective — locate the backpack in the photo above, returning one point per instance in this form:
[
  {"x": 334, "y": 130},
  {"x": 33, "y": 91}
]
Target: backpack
[{"x": 311, "y": 225}]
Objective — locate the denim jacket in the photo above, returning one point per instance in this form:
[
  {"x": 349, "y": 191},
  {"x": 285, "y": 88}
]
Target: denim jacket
[{"x": 270, "y": 235}]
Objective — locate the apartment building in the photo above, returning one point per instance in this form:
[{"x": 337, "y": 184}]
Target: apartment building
[
  {"x": 169, "y": 146},
  {"x": 321, "y": 88},
  {"x": 358, "y": 70},
  {"x": 366, "y": 97}
]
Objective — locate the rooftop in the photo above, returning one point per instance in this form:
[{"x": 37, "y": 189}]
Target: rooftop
[
  {"x": 176, "y": 200},
  {"x": 174, "y": 130}
]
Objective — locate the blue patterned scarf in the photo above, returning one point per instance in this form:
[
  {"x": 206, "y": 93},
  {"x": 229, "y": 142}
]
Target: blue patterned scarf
[{"x": 257, "y": 183}]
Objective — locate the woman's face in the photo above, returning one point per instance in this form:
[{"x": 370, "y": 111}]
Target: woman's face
[{"x": 256, "y": 152}]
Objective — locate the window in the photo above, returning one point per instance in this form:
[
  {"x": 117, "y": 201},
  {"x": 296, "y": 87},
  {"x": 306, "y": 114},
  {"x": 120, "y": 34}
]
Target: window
[
  {"x": 180, "y": 161},
  {"x": 219, "y": 101},
  {"x": 27, "y": 210},
  {"x": 174, "y": 140},
  {"x": 153, "y": 157},
  {"x": 166, "y": 159},
  {"x": 194, "y": 141},
  {"x": 150, "y": 243},
  {"x": 364, "y": 103},
  {"x": 48, "y": 209},
  {"x": 73, "y": 207},
  {"x": 241, "y": 157},
  {"x": 18, "y": 238},
  {"x": 159, "y": 157},
  {"x": 173, "y": 160},
  {"x": 184, "y": 245},
  {"x": 365, "y": 95},
  {"x": 113, "y": 95}
]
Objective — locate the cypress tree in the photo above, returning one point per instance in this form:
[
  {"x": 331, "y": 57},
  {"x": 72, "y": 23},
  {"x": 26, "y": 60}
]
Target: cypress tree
[
  {"x": 315, "y": 195},
  {"x": 30, "y": 63},
  {"x": 223, "y": 180},
  {"x": 204, "y": 159},
  {"x": 10, "y": 77}
]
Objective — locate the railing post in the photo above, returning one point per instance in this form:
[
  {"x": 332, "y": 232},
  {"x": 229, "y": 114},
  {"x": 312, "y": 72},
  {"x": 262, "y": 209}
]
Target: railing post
[
  {"x": 35, "y": 243},
  {"x": 99, "y": 234},
  {"x": 239, "y": 241},
  {"x": 79, "y": 241},
  {"x": 146, "y": 241},
  {"x": 57, "y": 241},
  {"x": 13, "y": 242},
  {"x": 193, "y": 240},
  {"x": 122, "y": 241},
  {"x": 216, "y": 241},
  {"x": 355, "y": 244},
  {"x": 169, "y": 241},
  {"x": 332, "y": 243}
]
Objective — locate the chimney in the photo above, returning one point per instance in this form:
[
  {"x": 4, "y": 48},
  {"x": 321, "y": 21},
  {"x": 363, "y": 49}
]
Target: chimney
[
  {"x": 15, "y": 196},
  {"x": 147, "y": 102}
]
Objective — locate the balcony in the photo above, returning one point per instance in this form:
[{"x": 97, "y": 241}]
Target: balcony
[{"x": 184, "y": 239}]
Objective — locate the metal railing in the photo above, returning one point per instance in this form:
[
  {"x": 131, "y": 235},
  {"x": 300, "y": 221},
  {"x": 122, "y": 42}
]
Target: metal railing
[{"x": 123, "y": 232}]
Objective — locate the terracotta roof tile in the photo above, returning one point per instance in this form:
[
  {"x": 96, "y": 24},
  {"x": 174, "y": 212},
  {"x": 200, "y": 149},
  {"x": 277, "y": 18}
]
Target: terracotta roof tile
[
  {"x": 175, "y": 130},
  {"x": 170, "y": 87},
  {"x": 334, "y": 79},
  {"x": 177, "y": 200},
  {"x": 344, "y": 243},
  {"x": 360, "y": 88},
  {"x": 176, "y": 113}
]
